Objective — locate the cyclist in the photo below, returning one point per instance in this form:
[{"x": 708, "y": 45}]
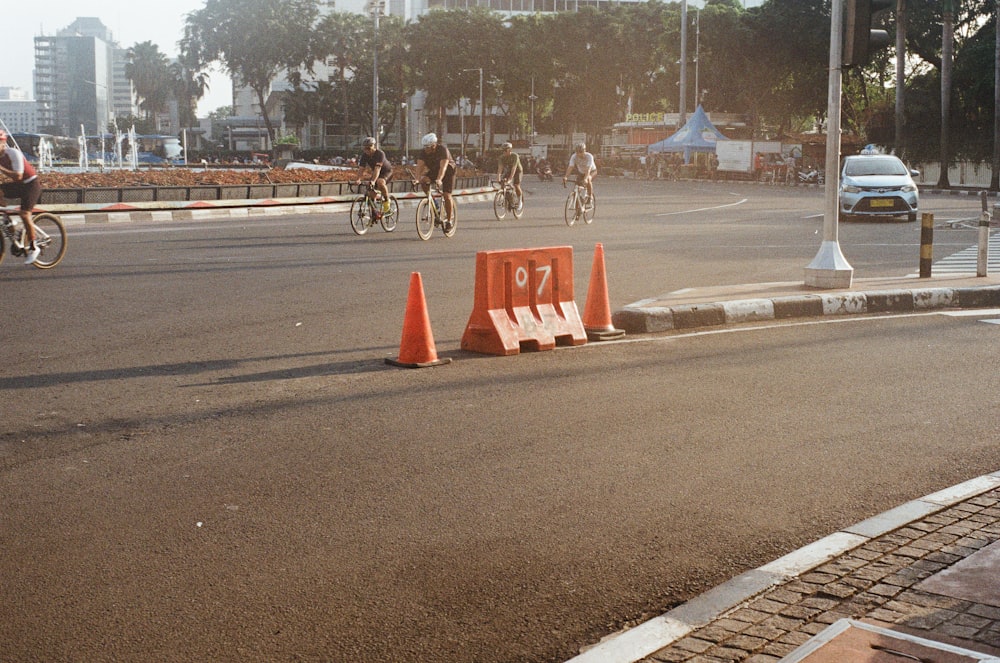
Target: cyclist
[
  {"x": 510, "y": 168},
  {"x": 436, "y": 165},
  {"x": 23, "y": 185},
  {"x": 582, "y": 163},
  {"x": 381, "y": 168}
]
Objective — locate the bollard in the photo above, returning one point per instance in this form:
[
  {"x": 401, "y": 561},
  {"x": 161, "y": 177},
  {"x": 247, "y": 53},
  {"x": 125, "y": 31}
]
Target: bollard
[
  {"x": 926, "y": 244},
  {"x": 983, "y": 257}
]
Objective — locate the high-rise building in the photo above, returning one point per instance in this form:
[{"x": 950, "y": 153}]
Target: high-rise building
[
  {"x": 17, "y": 111},
  {"x": 80, "y": 79}
]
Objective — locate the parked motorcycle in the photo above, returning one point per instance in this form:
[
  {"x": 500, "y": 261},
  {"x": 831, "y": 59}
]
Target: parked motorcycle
[
  {"x": 811, "y": 176},
  {"x": 544, "y": 173}
]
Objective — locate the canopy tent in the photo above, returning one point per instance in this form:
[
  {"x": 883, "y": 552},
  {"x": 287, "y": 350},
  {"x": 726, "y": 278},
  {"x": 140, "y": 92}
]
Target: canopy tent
[{"x": 697, "y": 135}]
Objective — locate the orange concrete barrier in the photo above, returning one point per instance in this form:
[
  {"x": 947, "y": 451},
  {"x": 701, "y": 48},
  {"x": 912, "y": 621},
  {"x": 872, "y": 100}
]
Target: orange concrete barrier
[{"x": 523, "y": 297}]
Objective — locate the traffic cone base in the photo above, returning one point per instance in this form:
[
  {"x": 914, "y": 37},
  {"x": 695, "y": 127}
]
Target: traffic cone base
[
  {"x": 416, "y": 349},
  {"x": 597, "y": 310}
]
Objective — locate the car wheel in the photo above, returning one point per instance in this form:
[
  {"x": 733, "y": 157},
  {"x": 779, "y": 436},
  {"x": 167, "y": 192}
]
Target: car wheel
[{"x": 911, "y": 217}]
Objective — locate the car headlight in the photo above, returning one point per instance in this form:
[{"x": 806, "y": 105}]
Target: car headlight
[
  {"x": 850, "y": 188},
  {"x": 909, "y": 187}
]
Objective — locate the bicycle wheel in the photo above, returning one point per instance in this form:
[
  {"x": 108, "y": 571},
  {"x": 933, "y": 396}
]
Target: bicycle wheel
[
  {"x": 589, "y": 210},
  {"x": 361, "y": 215},
  {"x": 425, "y": 220},
  {"x": 571, "y": 212},
  {"x": 450, "y": 231},
  {"x": 518, "y": 209},
  {"x": 500, "y": 205},
  {"x": 389, "y": 218},
  {"x": 50, "y": 237}
]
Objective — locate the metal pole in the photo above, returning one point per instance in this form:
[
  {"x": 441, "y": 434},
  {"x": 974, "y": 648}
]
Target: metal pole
[
  {"x": 482, "y": 119},
  {"x": 482, "y": 113},
  {"x": 983, "y": 257},
  {"x": 682, "y": 109},
  {"x": 376, "y": 10},
  {"x": 926, "y": 244},
  {"x": 697, "y": 48},
  {"x": 830, "y": 269},
  {"x": 531, "y": 140}
]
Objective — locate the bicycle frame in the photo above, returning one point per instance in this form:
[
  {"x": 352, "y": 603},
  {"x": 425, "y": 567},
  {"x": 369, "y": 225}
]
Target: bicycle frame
[
  {"x": 506, "y": 200},
  {"x": 366, "y": 209},
  {"x": 50, "y": 237},
  {"x": 430, "y": 214},
  {"x": 577, "y": 205}
]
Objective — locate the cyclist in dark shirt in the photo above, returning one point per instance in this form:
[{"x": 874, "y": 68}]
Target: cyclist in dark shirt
[
  {"x": 436, "y": 165},
  {"x": 381, "y": 169}
]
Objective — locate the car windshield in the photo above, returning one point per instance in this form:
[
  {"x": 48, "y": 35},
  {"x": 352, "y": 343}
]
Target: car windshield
[{"x": 859, "y": 167}]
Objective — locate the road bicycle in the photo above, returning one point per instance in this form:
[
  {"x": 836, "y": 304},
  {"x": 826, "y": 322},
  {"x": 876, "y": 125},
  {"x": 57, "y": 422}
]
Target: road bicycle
[
  {"x": 366, "y": 210},
  {"x": 579, "y": 206},
  {"x": 507, "y": 200},
  {"x": 430, "y": 213},
  {"x": 50, "y": 237}
]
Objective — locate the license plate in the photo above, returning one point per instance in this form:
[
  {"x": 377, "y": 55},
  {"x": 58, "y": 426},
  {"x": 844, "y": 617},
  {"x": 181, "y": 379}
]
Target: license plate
[{"x": 882, "y": 202}]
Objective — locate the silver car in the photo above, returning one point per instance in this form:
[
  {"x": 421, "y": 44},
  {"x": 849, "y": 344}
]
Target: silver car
[{"x": 877, "y": 185}]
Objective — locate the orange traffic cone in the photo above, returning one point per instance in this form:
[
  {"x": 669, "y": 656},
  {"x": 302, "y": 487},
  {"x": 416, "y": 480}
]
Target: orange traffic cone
[
  {"x": 597, "y": 310},
  {"x": 416, "y": 350}
]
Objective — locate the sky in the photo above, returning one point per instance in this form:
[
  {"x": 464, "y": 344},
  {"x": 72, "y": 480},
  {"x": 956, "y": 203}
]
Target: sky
[{"x": 130, "y": 22}]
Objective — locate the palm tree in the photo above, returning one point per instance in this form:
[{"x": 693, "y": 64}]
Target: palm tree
[{"x": 149, "y": 72}]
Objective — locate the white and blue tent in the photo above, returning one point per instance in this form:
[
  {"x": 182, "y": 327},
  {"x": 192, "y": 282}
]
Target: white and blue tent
[{"x": 697, "y": 135}]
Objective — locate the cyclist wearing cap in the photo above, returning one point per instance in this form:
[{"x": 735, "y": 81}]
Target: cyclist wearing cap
[
  {"x": 582, "y": 163},
  {"x": 23, "y": 185},
  {"x": 436, "y": 165},
  {"x": 510, "y": 168},
  {"x": 381, "y": 169}
]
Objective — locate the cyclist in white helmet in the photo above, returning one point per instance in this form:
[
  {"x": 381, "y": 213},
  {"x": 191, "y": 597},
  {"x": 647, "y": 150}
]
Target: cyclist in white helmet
[
  {"x": 436, "y": 165},
  {"x": 582, "y": 163}
]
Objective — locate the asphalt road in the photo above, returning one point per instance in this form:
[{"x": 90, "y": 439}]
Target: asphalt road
[{"x": 204, "y": 457}]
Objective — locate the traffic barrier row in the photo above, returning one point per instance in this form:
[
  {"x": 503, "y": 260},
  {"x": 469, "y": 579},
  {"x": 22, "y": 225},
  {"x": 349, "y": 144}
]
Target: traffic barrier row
[{"x": 523, "y": 298}]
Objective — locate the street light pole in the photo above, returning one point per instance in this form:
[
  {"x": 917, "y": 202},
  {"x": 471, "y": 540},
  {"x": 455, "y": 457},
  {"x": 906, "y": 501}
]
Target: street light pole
[
  {"x": 376, "y": 7},
  {"x": 682, "y": 109},
  {"x": 830, "y": 269},
  {"x": 482, "y": 114}
]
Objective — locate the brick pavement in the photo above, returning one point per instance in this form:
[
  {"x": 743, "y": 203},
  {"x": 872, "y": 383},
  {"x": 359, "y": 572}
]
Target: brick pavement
[{"x": 878, "y": 581}]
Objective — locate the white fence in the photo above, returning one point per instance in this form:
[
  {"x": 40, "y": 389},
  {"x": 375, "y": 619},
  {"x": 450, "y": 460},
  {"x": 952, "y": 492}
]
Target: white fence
[{"x": 963, "y": 173}]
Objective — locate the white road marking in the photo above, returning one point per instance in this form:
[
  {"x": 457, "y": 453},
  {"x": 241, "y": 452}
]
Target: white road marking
[{"x": 704, "y": 209}]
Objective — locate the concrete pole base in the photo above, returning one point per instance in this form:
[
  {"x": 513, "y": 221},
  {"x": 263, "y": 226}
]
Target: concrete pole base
[{"x": 829, "y": 269}]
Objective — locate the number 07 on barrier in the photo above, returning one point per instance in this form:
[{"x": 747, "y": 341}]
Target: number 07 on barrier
[{"x": 523, "y": 297}]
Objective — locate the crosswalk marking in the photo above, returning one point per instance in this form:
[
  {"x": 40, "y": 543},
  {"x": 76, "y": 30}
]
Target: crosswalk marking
[{"x": 966, "y": 261}]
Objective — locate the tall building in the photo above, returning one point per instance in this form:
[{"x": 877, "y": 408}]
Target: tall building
[
  {"x": 80, "y": 79},
  {"x": 17, "y": 111}
]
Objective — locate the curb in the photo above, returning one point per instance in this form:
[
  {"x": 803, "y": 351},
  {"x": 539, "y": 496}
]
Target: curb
[
  {"x": 636, "y": 643},
  {"x": 240, "y": 209},
  {"x": 644, "y": 316}
]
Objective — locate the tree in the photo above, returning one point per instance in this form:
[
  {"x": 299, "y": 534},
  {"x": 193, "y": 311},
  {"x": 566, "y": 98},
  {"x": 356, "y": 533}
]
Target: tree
[
  {"x": 253, "y": 40},
  {"x": 341, "y": 40},
  {"x": 475, "y": 34},
  {"x": 149, "y": 72}
]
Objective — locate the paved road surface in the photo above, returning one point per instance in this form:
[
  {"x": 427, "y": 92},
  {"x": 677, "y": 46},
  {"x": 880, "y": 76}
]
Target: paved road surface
[{"x": 204, "y": 457}]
